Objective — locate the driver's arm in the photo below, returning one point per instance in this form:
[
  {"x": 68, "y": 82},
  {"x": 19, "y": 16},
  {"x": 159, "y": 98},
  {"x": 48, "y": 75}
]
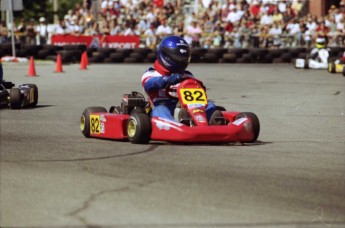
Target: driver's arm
[
  {"x": 160, "y": 82},
  {"x": 314, "y": 53}
]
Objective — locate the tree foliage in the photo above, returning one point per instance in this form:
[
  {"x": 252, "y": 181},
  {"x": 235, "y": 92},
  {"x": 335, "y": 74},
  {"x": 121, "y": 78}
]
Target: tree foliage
[{"x": 44, "y": 8}]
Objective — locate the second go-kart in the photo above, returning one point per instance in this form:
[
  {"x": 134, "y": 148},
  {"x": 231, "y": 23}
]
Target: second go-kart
[
  {"x": 132, "y": 120},
  {"x": 26, "y": 95}
]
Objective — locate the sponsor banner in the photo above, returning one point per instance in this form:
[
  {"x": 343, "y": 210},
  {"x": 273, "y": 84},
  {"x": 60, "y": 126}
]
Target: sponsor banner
[{"x": 97, "y": 41}]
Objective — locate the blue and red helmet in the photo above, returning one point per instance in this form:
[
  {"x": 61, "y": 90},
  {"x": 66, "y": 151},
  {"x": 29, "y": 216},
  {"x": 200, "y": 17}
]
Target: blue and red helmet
[{"x": 174, "y": 54}]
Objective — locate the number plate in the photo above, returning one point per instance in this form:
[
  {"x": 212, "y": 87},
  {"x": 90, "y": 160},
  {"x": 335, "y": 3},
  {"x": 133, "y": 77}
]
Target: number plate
[
  {"x": 95, "y": 125},
  {"x": 193, "y": 96}
]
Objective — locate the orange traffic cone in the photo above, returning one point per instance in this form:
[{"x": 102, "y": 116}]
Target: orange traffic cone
[
  {"x": 83, "y": 63},
  {"x": 58, "y": 66},
  {"x": 86, "y": 58},
  {"x": 32, "y": 70}
]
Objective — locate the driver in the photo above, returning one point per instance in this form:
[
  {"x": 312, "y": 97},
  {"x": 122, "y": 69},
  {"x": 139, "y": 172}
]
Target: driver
[
  {"x": 169, "y": 69},
  {"x": 320, "y": 43}
]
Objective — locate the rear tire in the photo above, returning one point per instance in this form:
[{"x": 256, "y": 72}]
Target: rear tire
[
  {"x": 139, "y": 128},
  {"x": 35, "y": 94},
  {"x": 255, "y": 124},
  {"x": 15, "y": 98},
  {"x": 85, "y": 119}
]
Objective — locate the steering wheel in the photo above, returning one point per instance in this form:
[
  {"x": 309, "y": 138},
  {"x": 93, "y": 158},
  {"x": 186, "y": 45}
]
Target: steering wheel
[{"x": 171, "y": 90}]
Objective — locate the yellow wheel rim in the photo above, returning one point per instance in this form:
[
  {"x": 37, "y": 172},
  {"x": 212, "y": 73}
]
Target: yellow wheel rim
[
  {"x": 82, "y": 123},
  {"x": 132, "y": 127}
]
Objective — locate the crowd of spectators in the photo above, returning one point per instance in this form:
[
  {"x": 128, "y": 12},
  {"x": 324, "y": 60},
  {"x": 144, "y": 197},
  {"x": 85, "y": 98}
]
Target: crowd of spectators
[{"x": 214, "y": 23}]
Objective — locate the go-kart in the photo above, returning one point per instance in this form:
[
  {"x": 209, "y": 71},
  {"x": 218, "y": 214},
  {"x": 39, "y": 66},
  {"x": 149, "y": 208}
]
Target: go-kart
[
  {"x": 132, "y": 120},
  {"x": 336, "y": 67},
  {"x": 319, "y": 62},
  {"x": 26, "y": 95}
]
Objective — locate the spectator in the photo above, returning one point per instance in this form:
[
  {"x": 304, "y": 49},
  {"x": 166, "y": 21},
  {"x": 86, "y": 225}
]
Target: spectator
[
  {"x": 297, "y": 6},
  {"x": 130, "y": 30},
  {"x": 31, "y": 32},
  {"x": 117, "y": 29},
  {"x": 322, "y": 30},
  {"x": 89, "y": 19},
  {"x": 61, "y": 28},
  {"x": 21, "y": 31},
  {"x": 150, "y": 37},
  {"x": 293, "y": 29},
  {"x": 179, "y": 29},
  {"x": 233, "y": 16},
  {"x": 277, "y": 16},
  {"x": 275, "y": 33},
  {"x": 266, "y": 19},
  {"x": 163, "y": 29},
  {"x": 42, "y": 32},
  {"x": 217, "y": 39},
  {"x": 282, "y": 6},
  {"x": 194, "y": 31},
  {"x": 255, "y": 8},
  {"x": 3, "y": 32}
]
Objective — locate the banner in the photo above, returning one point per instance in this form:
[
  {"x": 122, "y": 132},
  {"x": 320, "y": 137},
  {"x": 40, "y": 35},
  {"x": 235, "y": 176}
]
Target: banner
[{"x": 97, "y": 41}]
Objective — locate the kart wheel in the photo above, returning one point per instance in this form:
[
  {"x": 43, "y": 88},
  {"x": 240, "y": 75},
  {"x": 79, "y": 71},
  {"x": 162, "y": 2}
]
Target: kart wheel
[
  {"x": 220, "y": 108},
  {"x": 138, "y": 109},
  {"x": 35, "y": 94},
  {"x": 331, "y": 68},
  {"x": 217, "y": 118},
  {"x": 139, "y": 128},
  {"x": 255, "y": 123},
  {"x": 15, "y": 98},
  {"x": 85, "y": 119}
]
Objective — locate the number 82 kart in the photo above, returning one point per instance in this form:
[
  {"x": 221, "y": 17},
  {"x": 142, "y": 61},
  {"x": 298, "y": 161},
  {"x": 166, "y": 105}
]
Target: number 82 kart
[{"x": 132, "y": 120}]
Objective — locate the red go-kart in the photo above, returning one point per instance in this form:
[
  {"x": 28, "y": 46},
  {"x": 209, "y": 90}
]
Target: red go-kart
[{"x": 132, "y": 120}]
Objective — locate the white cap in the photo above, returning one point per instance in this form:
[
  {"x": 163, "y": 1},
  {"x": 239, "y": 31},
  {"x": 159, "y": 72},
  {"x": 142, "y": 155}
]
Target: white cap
[{"x": 42, "y": 19}]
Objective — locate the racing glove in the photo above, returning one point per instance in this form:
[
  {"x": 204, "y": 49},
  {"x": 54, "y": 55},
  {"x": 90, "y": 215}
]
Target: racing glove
[
  {"x": 156, "y": 83},
  {"x": 173, "y": 79}
]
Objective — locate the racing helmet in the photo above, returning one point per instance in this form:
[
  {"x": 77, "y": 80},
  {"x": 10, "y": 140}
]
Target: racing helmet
[
  {"x": 320, "y": 42},
  {"x": 174, "y": 54}
]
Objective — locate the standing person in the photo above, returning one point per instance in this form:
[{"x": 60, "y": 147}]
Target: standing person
[
  {"x": 169, "y": 70},
  {"x": 42, "y": 31},
  {"x": 163, "y": 29},
  {"x": 31, "y": 33},
  {"x": 3, "y": 32},
  {"x": 21, "y": 31},
  {"x": 194, "y": 31}
]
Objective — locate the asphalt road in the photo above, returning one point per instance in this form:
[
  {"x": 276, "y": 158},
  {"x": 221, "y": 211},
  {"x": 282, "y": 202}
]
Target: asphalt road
[{"x": 292, "y": 177}]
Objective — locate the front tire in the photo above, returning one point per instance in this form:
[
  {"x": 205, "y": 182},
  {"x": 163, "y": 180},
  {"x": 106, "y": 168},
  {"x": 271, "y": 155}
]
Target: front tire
[
  {"x": 139, "y": 128},
  {"x": 15, "y": 98},
  {"x": 255, "y": 124},
  {"x": 85, "y": 119}
]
